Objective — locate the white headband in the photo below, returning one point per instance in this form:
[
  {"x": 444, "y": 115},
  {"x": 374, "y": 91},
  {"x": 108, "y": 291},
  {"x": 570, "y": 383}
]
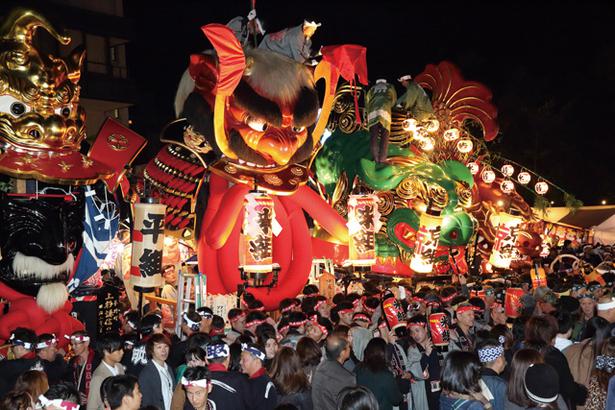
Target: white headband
[
  {"x": 607, "y": 305},
  {"x": 198, "y": 383},
  {"x": 48, "y": 343},
  {"x": 78, "y": 338},
  {"x": 191, "y": 324},
  {"x": 59, "y": 403}
]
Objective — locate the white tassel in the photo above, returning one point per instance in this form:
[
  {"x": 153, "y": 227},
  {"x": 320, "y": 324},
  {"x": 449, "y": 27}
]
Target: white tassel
[{"x": 52, "y": 296}]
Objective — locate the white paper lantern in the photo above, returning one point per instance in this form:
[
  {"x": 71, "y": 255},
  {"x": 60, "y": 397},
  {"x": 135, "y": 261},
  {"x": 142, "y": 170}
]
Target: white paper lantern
[
  {"x": 432, "y": 125},
  {"x": 488, "y": 176},
  {"x": 409, "y": 124},
  {"x": 474, "y": 167},
  {"x": 508, "y": 170},
  {"x": 507, "y": 186},
  {"x": 524, "y": 178},
  {"x": 427, "y": 144},
  {"x": 451, "y": 134},
  {"x": 541, "y": 188},
  {"x": 465, "y": 146}
]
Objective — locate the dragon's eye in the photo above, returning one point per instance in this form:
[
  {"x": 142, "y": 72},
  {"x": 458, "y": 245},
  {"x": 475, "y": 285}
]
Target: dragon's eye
[
  {"x": 64, "y": 111},
  {"x": 12, "y": 106},
  {"x": 256, "y": 124},
  {"x": 298, "y": 129}
]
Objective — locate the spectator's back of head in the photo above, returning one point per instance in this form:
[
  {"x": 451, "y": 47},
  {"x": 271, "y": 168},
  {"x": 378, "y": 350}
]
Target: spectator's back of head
[
  {"x": 335, "y": 346},
  {"x": 64, "y": 392},
  {"x": 116, "y": 390},
  {"x": 356, "y": 398}
]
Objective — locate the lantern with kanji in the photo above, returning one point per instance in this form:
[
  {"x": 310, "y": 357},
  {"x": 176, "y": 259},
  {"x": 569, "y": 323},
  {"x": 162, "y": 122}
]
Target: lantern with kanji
[
  {"x": 256, "y": 245},
  {"x": 393, "y": 311},
  {"x": 504, "y": 249},
  {"x": 439, "y": 328},
  {"x": 512, "y": 302},
  {"x": 363, "y": 223},
  {"x": 427, "y": 238},
  {"x": 147, "y": 244}
]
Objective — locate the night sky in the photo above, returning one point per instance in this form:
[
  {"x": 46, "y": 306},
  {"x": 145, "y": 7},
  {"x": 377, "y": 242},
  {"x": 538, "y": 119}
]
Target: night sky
[{"x": 551, "y": 67}]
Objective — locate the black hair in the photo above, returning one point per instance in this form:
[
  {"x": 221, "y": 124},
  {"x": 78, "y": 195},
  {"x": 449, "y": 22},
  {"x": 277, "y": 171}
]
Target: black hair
[
  {"x": 255, "y": 316},
  {"x": 296, "y": 317},
  {"x": 374, "y": 356},
  {"x": 217, "y": 322},
  {"x": 338, "y": 298},
  {"x": 564, "y": 322},
  {"x": 195, "y": 352},
  {"x": 25, "y": 335},
  {"x": 114, "y": 389},
  {"x": 204, "y": 310},
  {"x": 264, "y": 332},
  {"x": 194, "y": 317},
  {"x": 148, "y": 323},
  {"x": 461, "y": 373},
  {"x": 233, "y": 313},
  {"x": 310, "y": 290},
  {"x": 63, "y": 391},
  {"x": 197, "y": 373},
  {"x": 234, "y": 357},
  {"x": 132, "y": 318},
  {"x": 45, "y": 337},
  {"x": 110, "y": 342},
  {"x": 198, "y": 340},
  {"x": 356, "y": 398}
]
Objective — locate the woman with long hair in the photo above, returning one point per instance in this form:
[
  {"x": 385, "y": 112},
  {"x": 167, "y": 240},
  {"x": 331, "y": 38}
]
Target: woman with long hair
[
  {"x": 374, "y": 374},
  {"x": 33, "y": 382},
  {"x": 581, "y": 356},
  {"x": 540, "y": 333},
  {"x": 603, "y": 370},
  {"x": 290, "y": 380},
  {"x": 310, "y": 355},
  {"x": 356, "y": 398},
  {"x": 461, "y": 388}
]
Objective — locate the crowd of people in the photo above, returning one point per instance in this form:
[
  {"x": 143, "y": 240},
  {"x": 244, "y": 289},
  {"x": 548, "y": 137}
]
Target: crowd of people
[{"x": 557, "y": 352}]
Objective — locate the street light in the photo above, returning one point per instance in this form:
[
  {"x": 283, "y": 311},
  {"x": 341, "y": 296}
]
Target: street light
[{"x": 603, "y": 202}]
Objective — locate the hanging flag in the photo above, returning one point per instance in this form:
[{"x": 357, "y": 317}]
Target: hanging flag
[{"x": 100, "y": 225}]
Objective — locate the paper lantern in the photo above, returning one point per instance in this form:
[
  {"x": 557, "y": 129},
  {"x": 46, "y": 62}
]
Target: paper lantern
[
  {"x": 524, "y": 178},
  {"x": 504, "y": 249},
  {"x": 507, "y": 186},
  {"x": 473, "y": 167},
  {"x": 363, "y": 223},
  {"x": 427, "y": 143},
  {"x": 508, "y": 170},
  {"x": 465, "y": 146},
  {"x": 439, "y": 328},
  {"x": 451, "y": 134},
  {"x": 427, "y": 238},
  {"x": 256, "y": 245},
  {"x": 538, "y": 276},
  {"x": 512, "y": 302},
  {"x": 541, "y": 188},
  {"x": 409, "y": 124},
  {"x": 432, "y": 125},
  {"x": 147, "y": 245},
  {"x": 393, "y": 311},
  {"x": 488, "y": 176}
]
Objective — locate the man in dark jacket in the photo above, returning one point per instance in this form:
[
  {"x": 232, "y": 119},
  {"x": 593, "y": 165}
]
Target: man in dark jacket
[
  {"x": 263, "y": 394},
  {"x": 52, "y": 362},
  {"x": 229, "y": 389},
  {"x": 330, "y": 377},
  {"x": 491, "y": 356},
  {"x": 22, "y": 342}
]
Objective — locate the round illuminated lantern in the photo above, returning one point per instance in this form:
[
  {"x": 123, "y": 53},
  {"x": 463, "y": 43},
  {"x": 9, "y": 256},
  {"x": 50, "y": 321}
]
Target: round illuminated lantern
[
  {"x": 541, "y": 188},
  {"x": 427, "y": 144},
  {"x": 451, "y": 134},
  {"x": 473, "y": 167},
  {"x": 465, "y": 146},
  {"x": 508, "y": 170},
  {"x": 432, "y": 125},
  {"x": 507, "y": 186},
  {"x": 524, "y": 178},
  {"x": 409, "y": 124},
  {"x": 488, "y": 176}
]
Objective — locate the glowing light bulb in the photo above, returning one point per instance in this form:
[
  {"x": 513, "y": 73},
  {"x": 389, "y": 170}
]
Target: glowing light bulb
[{"x": 451, "y": 134}]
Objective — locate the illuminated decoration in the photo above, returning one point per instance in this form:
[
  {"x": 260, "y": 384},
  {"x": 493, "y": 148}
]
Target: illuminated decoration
[
  {"x": 524, "y": 178},
  {"x": 474, "y": 167},
  {"x": 508, "y": 170},
  {"x": 488, "y": 176},
  {"x": 427, "y": 238},
  {"x": 505, "y": 239},
  {"x": 427, "y": 143},
  {"x": 147, "y": 244},
  {"x": 432, "y": 125},
  {"x": 451, "y": 134},
  {"x": 363, "y": 223},
  {"x": 541, "y": 187},
  {"x": 507, "y": 186},
  {"x": 439, "y": 328},
  {"x": 465, "y": 146},
  {"x": 409, "y": 124},
  {"x": 256, "y": 245},
  {"x": 393, "y": 311},
  {"x": 512, "y": 302}
]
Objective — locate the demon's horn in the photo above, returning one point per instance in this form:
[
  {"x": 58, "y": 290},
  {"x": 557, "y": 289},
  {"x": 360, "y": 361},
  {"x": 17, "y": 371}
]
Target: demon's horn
[{"x": 21, "y": 24}]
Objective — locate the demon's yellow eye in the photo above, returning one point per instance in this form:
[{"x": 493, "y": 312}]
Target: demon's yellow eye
[{"x": 255, "y": 123}]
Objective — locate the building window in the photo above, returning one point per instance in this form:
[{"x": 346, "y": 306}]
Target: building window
[{"x": 96, "y": 53}]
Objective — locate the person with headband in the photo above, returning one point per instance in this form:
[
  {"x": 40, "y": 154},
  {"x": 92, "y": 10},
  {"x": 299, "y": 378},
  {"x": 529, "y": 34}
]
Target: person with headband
[
  {"x": 130, "y": 322},
  {"x": 197, "y": 384},
  {"x": 61, "y": 396},
  {"x": 588, "y": 304},
  {"x": 207, "y": 316},
  {"x": 151, "y": 324},
  {"x": 237, "y": 318},
  {"x": 462, "y": 333},
  {"x": 50, "y": 360},
  {"x": 23, "y": 342},
  {"x": 110, "y": 348},
  {"x": 229, "y": 389},
  {"x": 82, "y": 365},
  {"x": 345, "y": 311},
  {"x": 606, "y": 308},
  {"x": 191, "y": 323},
  {"x": 429, "y": 358},
  {"x": 263, "y": 394},
  {"x": 491, "y": 356}
]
